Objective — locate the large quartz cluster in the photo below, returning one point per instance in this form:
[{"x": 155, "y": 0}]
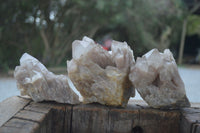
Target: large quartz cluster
[
  {"x": 156, "y": 78},
  {"x": 99, "y": 75},
  {"x": 106, "y": 77},
  {"x": 35, "y": 80}
]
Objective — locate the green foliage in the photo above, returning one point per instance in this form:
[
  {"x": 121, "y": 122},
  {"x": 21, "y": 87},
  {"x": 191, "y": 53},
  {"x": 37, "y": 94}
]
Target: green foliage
[
  {"x": 46, "y": 28},
  {"x": 193, "y": 25}
]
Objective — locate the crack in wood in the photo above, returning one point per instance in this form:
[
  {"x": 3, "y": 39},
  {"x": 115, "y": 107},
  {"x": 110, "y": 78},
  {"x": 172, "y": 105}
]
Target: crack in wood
[
  {"x": 63, "y": 126},
  {"x": 27, "y": 119},
  {"x": 71, "y": 119}
]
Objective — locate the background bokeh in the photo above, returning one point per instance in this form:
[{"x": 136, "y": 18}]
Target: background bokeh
[{"x": 46, "y": 29}]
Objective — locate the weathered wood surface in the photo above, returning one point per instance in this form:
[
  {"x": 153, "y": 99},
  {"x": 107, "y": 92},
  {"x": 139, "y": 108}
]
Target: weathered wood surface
[
  {"x": 90, "y": 118},
  {"x": 51, "y": 117},
  {"x": 123, "y": 120},
  {"x": 155, "y": 121},
  {"x": 10, "y": 106},
  {"x": 190, "y": 120},
  {"x": 20, "y": 126},
  {"x": 46, "y": 117}
]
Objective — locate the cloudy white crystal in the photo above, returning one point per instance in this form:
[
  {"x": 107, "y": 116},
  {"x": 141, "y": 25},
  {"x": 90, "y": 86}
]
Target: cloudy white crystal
[
  {"x": 99, "y": 75},
  {"x": 106, "y": 77},
  {"x": 156, "y": 78},
  {"x": 35, "y": 80}
]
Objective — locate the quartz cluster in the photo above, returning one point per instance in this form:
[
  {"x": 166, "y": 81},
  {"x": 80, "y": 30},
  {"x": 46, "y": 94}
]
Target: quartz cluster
[
  {"x": 105, "y": 77},
  {"x": 156, "y": 78},
  {"x": 35, "y": 80},
  {"x": 99, "y": 75}
]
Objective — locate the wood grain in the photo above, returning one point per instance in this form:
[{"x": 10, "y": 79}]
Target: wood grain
[
  {"x": 155, "y": 121},
  {"x": 190, "y": 120},
  {"x": 10, "y": 106},
  {"x": 20, "y": 126},
  {"x": 90, "y": 118},
  {"x": 19, "y": 115},
  {"x": 123, "y": 120}
]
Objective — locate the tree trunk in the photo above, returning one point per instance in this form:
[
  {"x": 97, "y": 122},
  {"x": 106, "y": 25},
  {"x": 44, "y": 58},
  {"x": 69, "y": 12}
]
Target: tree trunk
[
  {"x": 182, "y": 43},
  {"x": 47, "y": 55}
]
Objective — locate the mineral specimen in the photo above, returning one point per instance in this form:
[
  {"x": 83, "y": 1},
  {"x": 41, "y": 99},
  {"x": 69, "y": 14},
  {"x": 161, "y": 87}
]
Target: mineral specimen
[
  {"x": 35, "y": 80},
  {"x": 99, "y": 75},
  {"x": 156, "y": 78}
]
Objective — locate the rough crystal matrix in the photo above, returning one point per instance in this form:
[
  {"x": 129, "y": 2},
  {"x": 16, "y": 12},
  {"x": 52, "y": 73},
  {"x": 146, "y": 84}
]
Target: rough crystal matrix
[
  {"x": 156, "y": 78},
  {"x": 99, "y": 75},
  {"x": 35, "y": 80},
  {"x": 106, "y": 77}
]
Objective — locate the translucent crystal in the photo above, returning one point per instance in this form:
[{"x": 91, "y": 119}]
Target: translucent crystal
[
  {"x": 99, "y": 75},
  {"x": 35, "y": 80},
  {"x": 156, "y": 78}
]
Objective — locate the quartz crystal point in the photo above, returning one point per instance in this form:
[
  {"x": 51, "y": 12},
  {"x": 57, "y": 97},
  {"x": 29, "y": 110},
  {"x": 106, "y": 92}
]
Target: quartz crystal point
[
  {"x": 35, "y": 80},
  {"x": 99, "y": 75},
  {"x": 156, "y": 78}
]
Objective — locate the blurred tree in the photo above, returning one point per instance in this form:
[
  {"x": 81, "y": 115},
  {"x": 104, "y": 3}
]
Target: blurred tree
[
  {"x": 193, "y": 27},
  {"x": 187, "y": 15},
  {"x": 46, "y": 28},
  {"x": 15, "y": 34},
  {"x": 146, "y": 23}
]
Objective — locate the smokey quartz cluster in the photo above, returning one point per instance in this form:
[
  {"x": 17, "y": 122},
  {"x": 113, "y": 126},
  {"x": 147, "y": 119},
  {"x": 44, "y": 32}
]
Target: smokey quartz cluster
[
  {"x": 35, "y": 80},
  {"x": 105, "y": 77},
  {"x": 156, "y": 78},
  {"x": 99, "y": 75}
]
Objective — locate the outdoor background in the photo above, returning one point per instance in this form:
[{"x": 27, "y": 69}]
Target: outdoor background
[{"x": 46, "y": 29}]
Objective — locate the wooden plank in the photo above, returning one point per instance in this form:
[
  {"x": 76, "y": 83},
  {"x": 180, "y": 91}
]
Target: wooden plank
[
  {"x": 51, "y": 117},
  {"x": 58, "y": 120},
  {"x": 68, "y": 119},
  {"x": 190, "y": 110},
  {"x": 197, "y": 128},
  {"x": 185, "y": 125},
  {"x": 20, "y": 126},
  {"x": 61, "y": 117},
  {"x": 10, "y": 107},
  {"x": 188, "y": 120},
  {"x": 123, "y": 120},
  {"x": 192, "y": 117},
  {"x": 38, "y": 107},
  {"x": 43, "y": 119},
  {"x": 46, "y": 124},
  {"x": 155, "y": 121},
  {"x": 90, "y": 118},
  {"x": 30, "y": 115}
]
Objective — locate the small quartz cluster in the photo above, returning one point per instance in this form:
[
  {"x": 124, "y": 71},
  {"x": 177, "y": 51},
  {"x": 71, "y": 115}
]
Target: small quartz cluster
[
  {"x": 35, "y": 80},
  {"x": 105, "y": 77},
  {"x": 156, "y": 78},
  {"x": 99, "y": 75}
]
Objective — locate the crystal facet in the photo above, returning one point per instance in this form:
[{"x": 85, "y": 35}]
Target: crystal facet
[
  {"x": 35, "y": 80},
  {"x": 156, "y": 78},
  {"x": 99, "y": 75},
  {"x": 106, "y": 77}
]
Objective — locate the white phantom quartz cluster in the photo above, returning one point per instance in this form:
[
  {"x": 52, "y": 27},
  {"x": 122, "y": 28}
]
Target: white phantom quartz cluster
[
  {"x": 156, "y": 78},
  {"x": 99, "y": 75},
  {"x": 105, "y": 77},
  {"x": 35, "y": 80}
]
